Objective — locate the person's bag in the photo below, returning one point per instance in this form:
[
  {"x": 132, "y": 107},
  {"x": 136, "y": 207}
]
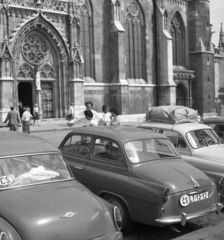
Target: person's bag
[{"x": 19, "y": 124}]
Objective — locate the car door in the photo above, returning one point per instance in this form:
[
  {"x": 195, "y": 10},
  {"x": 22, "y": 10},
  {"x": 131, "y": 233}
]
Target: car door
[
  {"x": 180, "y": 144},
  {"x": 107, "y": 168},
  {"x": 76, "y": 149}
]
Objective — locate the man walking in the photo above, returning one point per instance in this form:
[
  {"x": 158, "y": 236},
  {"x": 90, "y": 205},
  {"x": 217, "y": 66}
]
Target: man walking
[
  {"x": 13, "y": 119},
  {"x": 26, "y": 120}
]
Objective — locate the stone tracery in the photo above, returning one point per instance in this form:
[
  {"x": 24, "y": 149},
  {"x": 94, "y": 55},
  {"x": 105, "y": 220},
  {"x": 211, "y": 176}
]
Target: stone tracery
[
  {"x": 35, "y": 49},
  {"x": 25, "y": 71}
]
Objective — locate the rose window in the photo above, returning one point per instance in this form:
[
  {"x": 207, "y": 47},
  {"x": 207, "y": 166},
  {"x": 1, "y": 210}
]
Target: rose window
[{"x": 35, "y": 49}]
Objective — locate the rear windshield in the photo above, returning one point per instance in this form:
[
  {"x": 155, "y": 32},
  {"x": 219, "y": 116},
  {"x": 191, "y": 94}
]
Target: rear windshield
[
  {"x": 149, "y": 150},
  {"x": 26, "y": 170}
]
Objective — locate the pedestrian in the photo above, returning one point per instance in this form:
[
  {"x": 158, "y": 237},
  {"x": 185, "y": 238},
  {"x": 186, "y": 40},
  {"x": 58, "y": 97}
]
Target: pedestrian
[
  {"x": 105, "y": 116},
  {"x": 70, "y": 114},
  {"x": 36, "y": 115},
  {"x": 26, "y": 118},
  {"x": 115, "y": 120},
  {"x": 89, "y": 106},
  {"x": 13, "y": 119},
  {"x": 88, "y": 120}
]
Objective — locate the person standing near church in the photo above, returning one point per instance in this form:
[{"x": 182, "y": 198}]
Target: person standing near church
[
  {"x": 13, "y": 119},
  {"x": 36, "y": 115},
  {"x": 26, "y": 120}
]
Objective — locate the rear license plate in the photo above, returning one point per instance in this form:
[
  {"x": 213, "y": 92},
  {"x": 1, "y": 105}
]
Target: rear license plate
[{"x": 186, "y": 199}]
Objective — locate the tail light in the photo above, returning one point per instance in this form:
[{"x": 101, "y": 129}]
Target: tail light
[{"x": 165, "y": 195}]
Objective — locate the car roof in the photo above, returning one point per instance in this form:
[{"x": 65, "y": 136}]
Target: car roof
[
  {"x": 119, "y": 133},
  {"x": 181, "y": 128},
  {"x": 213, "y": 120},
  {"x": 14, "y": 143}
]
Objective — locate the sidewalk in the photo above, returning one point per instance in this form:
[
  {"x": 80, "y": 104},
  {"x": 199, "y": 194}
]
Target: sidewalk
[{"x": 57, "y": 127}]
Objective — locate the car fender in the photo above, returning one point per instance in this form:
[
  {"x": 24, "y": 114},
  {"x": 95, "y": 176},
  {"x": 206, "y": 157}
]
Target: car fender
[
  {"x": 104, "y": 192},
  {"x": 10, "y": 231}
]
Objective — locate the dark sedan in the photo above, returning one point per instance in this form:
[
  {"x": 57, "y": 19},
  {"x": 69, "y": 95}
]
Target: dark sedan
[
  {"x": 40, "y": 199},
  {"x": 140, "y": 172}
]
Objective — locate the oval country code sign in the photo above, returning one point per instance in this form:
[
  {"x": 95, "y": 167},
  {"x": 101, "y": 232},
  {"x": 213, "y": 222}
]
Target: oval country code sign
[
  {"x": 184, "y": 200},
  {"x": 6, "y": 180}
]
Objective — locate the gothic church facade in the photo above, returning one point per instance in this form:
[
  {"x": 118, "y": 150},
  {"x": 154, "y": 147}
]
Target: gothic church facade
[{"x": 129, "y": 54}]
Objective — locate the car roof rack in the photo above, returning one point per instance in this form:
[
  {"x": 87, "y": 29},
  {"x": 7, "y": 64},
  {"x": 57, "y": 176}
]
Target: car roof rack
[{"x": 172, "y": 121}]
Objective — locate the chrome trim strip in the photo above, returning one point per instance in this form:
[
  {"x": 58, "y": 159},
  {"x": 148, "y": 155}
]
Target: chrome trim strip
[
  {"x": 182, "y": 218},
  {"x": 30, "y": 154}
]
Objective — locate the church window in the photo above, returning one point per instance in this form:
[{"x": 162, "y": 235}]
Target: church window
[
  {"x": 117, "y": 12},
  {"x": 86, "y": 37},
  {"x": 178, "y": 34},
  {"x": 165, "y": 20},
  {"x": 134, "y": 35}
]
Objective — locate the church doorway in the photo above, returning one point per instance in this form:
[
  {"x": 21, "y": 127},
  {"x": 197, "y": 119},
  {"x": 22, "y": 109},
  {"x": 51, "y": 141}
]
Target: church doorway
[
  {"x": 25, "y": 94},
  {"x": 181, "y": 95}
]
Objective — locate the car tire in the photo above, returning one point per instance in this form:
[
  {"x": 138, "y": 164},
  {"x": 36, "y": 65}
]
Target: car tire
[{"x": 127, "y": 224}]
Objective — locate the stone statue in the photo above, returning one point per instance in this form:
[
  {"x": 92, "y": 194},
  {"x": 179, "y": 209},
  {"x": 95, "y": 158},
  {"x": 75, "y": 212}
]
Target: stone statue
[{"x": 38, "y": 81}]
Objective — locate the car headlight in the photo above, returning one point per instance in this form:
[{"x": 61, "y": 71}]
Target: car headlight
[
  {"x": 117, "y": 218},
  {"x": 221, "y": 186},
  {"x": 3, "y": 236}
]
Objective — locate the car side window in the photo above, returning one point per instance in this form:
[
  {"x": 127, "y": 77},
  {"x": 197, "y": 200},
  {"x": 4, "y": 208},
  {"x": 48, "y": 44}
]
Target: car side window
[
  {"x": 80, "y": 144},
  {"x": 107, "y": 149},
  {"x": 66, "y": 145},
  {"x": 173, "y": 136},
  {"x": 181, "y": 142}
]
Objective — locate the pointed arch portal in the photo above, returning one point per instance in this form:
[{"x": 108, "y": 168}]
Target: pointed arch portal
[{"x": 41, "y": 55}]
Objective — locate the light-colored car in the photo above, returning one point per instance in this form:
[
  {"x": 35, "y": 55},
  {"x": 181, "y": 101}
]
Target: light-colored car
[
  {"x": 141, "y": 173},
  {"x": 198, "y": 144},
  {"x": 40, "y": 198}
]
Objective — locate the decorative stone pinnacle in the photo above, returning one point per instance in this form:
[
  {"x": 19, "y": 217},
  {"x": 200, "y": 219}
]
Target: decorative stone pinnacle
[{"x": 39, "y": 3}]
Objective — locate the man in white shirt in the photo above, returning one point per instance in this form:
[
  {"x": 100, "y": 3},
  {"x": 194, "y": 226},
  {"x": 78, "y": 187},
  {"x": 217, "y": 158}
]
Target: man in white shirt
[
  {"x": 26, "y": 117},
  {"x": 87, "y": 120},
  {"x": 96, "y": 117}
]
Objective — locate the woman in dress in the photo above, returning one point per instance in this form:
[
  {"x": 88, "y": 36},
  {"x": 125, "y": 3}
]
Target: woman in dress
[{"x": 36, "y": 115}]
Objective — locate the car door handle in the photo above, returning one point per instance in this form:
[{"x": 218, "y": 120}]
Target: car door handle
[{"x": 78, "y": 168}]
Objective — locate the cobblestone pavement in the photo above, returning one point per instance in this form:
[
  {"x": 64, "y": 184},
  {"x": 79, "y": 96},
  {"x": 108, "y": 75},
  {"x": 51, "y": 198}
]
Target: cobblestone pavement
[{"x": 206, "y": 228}]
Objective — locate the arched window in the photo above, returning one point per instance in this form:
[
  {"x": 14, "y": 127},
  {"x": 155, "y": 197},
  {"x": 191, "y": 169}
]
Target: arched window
[
  {"x": 117, "y": 12},
  {"x": 85, "y": 24},
  {"x": 165, "y": 16},
  {"x": 178, "y": 33},
  {"x": 134, "y": 33}
]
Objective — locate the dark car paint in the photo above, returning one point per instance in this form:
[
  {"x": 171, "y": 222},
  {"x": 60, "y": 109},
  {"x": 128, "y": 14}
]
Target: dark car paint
[
  {"x": 125, "y": 181},
  {"x": 35, "y": 211},
  {"x": 44, "y": 207},
  {"x": 208, "y": 159}
]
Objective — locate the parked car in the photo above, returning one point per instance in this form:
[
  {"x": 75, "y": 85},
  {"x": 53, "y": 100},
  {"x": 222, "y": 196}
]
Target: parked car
[
  {"x": 40, "y": 199},
  {"x": 141, "y": 173},
  {"x": 198, "y": 144},
  {"x": 217, "y": 124}
]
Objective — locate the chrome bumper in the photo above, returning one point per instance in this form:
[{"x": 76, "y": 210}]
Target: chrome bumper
[{"x": 184, "y": 216}]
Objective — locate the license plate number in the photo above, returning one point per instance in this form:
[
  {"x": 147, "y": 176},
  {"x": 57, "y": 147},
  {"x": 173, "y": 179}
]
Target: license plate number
[{"x": 185, "y": 200}]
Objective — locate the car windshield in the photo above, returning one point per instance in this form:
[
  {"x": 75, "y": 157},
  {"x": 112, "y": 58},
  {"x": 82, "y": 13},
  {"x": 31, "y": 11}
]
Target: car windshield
[
  {"x": 202, "y": 137},
  {"x": 26, "y": 170},
  {"x": 149, "y": 150}
]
